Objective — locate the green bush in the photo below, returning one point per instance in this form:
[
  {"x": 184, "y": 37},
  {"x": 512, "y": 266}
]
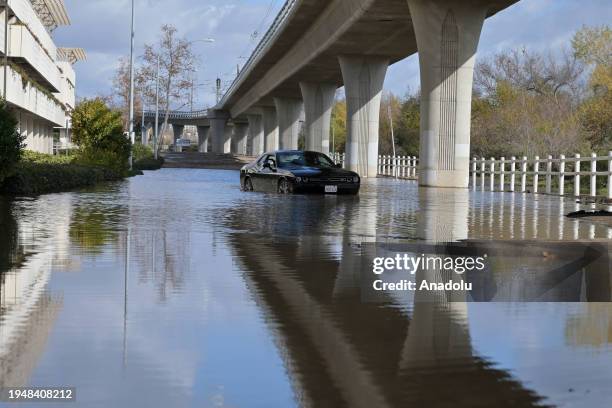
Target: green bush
[
  {"x": 11, "y": 142},
  {"x": 140, "y": 152},
  {"x": 39, "y": 173},
  {"x": 98, "y": 131},
  {"x": 35, "y": 157},
  {"x": 148, "y": 164},
  {"x": 32, "y": 178},
  {"x": 112, "y": 161}
]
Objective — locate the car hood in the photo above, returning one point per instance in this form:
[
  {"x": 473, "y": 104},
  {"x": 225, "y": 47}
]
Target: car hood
[{"x": 320, "y": 172}]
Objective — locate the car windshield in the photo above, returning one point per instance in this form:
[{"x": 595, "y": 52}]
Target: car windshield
[{"x": 300, "y": 159}]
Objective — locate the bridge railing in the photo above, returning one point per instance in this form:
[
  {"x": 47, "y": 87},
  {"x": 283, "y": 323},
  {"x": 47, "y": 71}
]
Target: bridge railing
[
  {"x": 545, "y": 175},
  {"x": 185, "y": 115},
  {"x": 278, "y": 22}
]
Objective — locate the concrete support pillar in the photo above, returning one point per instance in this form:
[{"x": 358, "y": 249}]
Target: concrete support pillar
[
  {"x": 270, "y": 127},
  {"x": 288, "y": 112},
  {"x": 227, "y": 139},
  {"x": 203, "y": 132},
  {"x": 217, "y": 134},
  {"x": 447, "y": 34},
  {"x": 145, "y": 133},
  {"x": 48, "y": 135},
  {"x": 30, "y": 129},
  {"x": 26, "y": 130},
  {"x": 239, "y": 138},
  {"x": 256, "y": 135},
  {"x": 178, "y": 133},
  {"x": 318, "y": 104},
  {"x": 363, "y": 81},
  {"x": 36, "y": 135}
]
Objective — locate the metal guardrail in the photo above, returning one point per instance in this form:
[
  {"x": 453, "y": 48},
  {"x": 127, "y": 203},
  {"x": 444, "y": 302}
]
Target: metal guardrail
[
  {"x": 184, "y": 115},
  {"x": 278, "y": 22}
]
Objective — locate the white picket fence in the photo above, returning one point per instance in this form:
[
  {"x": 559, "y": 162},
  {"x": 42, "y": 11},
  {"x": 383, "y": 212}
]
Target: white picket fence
[
  {"x": 528, "y": 175},
  {"x": 338, "y": 158},
  {"x": 398, "y": 166},
  {"x": 392, "y": 166},
  {"x": 538, "y": 175}
]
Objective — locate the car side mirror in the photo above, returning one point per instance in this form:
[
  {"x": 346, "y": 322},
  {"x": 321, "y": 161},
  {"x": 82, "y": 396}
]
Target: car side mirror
[{"x": 266, "y": 165}]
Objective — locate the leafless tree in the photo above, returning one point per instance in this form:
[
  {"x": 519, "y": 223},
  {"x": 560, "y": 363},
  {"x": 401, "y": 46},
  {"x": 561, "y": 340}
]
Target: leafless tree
[
  {"x": 177, "y": 62},
  {"x": 526, "y": 103},
  {"x": 120, "y": 96},
  {"x": 532, "y": 72}
]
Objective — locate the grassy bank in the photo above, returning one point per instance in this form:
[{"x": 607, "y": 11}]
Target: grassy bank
[{"x": 38, "y": 173}]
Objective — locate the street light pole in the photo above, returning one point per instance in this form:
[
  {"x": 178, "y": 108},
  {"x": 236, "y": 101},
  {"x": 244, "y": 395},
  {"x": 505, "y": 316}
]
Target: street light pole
[
  {"x": 205, "y": 40},
  {"x": 191, "y": 96},
  {"x": 143, "y": 136},
  {"x": 156, "y": 108},
  {"x": 131, "y": 117},
  {"x": 6, "y": 13}
]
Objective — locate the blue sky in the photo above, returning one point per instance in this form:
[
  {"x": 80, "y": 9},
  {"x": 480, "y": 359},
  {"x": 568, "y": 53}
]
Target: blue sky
[{"x": 102, "y": 28}]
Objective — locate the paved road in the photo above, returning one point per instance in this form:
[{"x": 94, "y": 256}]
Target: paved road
[{"x": 205, "y": 160}]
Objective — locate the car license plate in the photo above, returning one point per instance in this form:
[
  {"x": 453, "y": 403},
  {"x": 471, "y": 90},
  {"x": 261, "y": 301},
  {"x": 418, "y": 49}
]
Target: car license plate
[{"x": 331, "y": 189}]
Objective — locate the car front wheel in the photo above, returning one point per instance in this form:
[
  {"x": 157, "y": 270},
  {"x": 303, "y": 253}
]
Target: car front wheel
[
  {"x": 285, "y": 187},
  {"x": 248, "y": 185}
]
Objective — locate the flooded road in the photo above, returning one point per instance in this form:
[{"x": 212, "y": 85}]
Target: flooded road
[{"x": 176, "y": 289}]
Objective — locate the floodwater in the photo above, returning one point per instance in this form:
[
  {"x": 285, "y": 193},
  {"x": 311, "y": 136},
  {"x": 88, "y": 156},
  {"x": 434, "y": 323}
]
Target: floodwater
[{"x": 176, "y": 289}]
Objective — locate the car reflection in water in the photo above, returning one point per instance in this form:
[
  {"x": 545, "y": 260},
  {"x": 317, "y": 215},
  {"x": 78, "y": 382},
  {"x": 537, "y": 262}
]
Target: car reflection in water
[{"x": 296, "y": 171}]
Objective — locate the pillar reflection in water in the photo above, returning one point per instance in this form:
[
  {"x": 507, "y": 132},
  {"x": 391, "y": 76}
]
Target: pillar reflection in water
[
  {"x": 360, "y": 226},
  {"x": 339, "y": 349},
  {"x": 439, "y": 328}
]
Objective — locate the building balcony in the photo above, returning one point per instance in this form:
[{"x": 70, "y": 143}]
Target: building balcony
[
  {"x": 31, "y": 98},
  {"x": 67, "y": 71},
  {"x": 66, "y": 94},
  {"x": 25, "y": 51},
  {"x": 22, "y": 9}
]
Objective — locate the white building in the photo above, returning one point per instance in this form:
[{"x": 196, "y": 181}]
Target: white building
[{"x": 38, "y": 81}]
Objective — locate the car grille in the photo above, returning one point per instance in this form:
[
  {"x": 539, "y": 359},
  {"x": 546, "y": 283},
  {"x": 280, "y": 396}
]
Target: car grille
[{"x": 330, "y": 179}]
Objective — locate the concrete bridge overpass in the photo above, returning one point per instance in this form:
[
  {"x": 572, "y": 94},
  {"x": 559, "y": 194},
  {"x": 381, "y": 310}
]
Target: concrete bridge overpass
[
  {"x": 232, "y": 136},
  {"x": 315, "y": 46}
]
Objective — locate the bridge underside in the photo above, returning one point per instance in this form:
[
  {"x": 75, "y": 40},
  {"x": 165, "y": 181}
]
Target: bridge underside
[{"x": 316, "y": 46}]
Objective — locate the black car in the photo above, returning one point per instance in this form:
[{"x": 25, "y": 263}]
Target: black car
[{"x": 296, "y": 171}]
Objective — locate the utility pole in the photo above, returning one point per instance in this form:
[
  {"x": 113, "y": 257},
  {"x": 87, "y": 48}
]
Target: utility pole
[
  {"x": 131, "y": 117},
  {"x": 191, "y": 96},
  {"x": 143, "y": 136},
  {"x": 333, "y": 139},
  {"x": 392, "y": 139},
  {"x": 155, "y": 149}
]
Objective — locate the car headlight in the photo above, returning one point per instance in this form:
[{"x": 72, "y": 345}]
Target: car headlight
[{"x": 356, "y": 179}]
